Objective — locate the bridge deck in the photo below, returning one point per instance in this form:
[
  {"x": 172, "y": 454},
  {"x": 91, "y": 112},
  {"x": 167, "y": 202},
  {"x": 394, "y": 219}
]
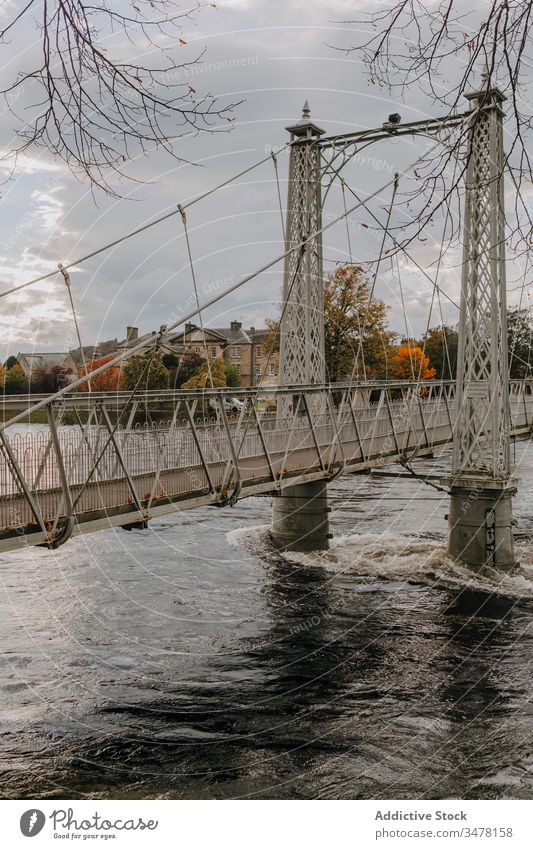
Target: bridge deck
[{"x": 79, "y": 479}]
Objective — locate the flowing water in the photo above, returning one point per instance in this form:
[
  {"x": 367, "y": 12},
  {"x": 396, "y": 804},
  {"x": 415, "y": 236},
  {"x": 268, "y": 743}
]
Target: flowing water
[{"x": 191, "y": 661}]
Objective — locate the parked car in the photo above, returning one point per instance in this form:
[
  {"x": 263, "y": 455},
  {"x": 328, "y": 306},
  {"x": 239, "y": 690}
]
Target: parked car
[{"x": 233, "y": 405}]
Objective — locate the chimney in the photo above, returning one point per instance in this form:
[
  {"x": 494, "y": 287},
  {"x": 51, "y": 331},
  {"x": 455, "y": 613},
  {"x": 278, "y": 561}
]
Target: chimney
[
  {"x": 132, "y": 333},
  {"x": 252, "y": 333},
  {"x": 236, "y": 325}
]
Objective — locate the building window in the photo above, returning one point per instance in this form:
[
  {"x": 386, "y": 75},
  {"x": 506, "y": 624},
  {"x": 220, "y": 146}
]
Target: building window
[
  {"x": 213, "y": 352},
  {"x": 238, "y": 367},
  {"x": 236, "y": 351},
  {"x": 258, "y": 371},
  {"x": 258, "y": 352},
  {"x": 271, "y": 370}
]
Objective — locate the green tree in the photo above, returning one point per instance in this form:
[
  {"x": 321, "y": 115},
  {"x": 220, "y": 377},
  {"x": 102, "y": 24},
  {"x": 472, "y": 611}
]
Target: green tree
[
  {"x": 233, "y": 377},
  {"x": 210, "y": 373},
  {"x": 440, "y": 345},
  {"x": 519, "y": 339},
  {"x": 10, "y": 362},
  {"x": 145, "y": 371},
  {"x": 184, "y": 367},
  {"x": 16, "y": 382}
]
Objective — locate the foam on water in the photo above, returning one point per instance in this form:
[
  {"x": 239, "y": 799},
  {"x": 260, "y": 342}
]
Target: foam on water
[{"x": 398, "y": 557}]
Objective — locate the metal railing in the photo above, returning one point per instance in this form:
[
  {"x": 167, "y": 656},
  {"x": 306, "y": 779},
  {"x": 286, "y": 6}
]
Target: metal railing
[{"x": 129, "y": 459}]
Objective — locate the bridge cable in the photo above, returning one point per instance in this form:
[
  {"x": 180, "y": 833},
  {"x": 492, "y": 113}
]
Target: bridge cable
[
  {"x": 66, "y": 278},
  {"x": 128, "y": 401},
  {"x": 275, "y": 163},
  {"x": 276, "y": 336},
  {"x": 197, "y": 297},
  {"x": 406, "y": 464},
  {"x": 375, "y": 277},
  {"x": 402, "y": 301},
  {"x": 137, "y": 230},
  {"x": 360, "y": 330},
  {"x": 168, "y": 330},
  {"x": 399, "y": 246},
  {"x": 447, "y": 218}
]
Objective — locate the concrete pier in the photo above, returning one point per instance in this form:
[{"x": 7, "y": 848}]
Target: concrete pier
[
  {"x": 300, "y": 518},
  {"x": 480, "y": 524}
]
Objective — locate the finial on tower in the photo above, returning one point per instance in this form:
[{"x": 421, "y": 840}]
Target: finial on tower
[{"x": 305, "y": 128}]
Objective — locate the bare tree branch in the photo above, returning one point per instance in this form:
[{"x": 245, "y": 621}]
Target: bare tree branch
[
  {"x": 92, "y": 108},
  {"x": 442, "y": 49}
]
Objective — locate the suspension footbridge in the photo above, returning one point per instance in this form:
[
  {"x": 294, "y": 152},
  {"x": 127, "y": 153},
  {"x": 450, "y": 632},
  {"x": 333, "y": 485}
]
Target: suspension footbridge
[{"x": 104, "y": 473}]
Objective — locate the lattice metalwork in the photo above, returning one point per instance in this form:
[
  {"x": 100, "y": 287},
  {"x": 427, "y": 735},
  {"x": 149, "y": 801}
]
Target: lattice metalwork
[
  {"x": 481, "y": 438},
  {"x": 302, "y": 325}
]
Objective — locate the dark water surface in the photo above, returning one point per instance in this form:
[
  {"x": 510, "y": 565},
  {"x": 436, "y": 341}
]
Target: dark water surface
[{"x": 190, "y": 661}]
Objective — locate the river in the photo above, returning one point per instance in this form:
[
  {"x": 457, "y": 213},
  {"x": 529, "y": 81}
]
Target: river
[{"x": 191, "y": 661}]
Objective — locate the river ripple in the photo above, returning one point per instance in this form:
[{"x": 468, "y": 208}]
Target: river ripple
[{"x": 191, "y": 661}]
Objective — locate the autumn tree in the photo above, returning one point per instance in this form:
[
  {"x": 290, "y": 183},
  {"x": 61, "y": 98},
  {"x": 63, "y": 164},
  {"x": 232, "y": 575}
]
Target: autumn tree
[
  {"x": 3, "y": 372},
  {"x": 357, "y": 341},
  {"x": 105, "y": 81},
  {"x": 210, "y": 374},
  {"x": 144, "y": 372},
  {"x": 270, "y": 343},
  {"x": 410, "y": 363},
  {"x": 107, "y": 381}
]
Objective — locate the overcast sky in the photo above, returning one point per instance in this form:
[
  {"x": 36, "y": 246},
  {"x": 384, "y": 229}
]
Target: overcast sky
[{"x": 272, "y": 55}]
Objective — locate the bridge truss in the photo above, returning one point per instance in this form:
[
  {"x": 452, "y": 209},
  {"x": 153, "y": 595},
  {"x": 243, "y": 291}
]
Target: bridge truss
[{"x": 106, "y": 472}]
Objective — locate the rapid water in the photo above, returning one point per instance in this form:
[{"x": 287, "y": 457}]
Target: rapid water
[{"x": 191, "y": 661}]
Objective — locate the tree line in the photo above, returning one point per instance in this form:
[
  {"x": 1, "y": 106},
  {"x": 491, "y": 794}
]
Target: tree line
[
  {"x": 144, "y": 371},
  {"x": 359, "y": 345}
]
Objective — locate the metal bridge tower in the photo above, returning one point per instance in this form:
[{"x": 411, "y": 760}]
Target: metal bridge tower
[
  {"x": 480, "y": 518},
  {"x": 300, "y": 517}
]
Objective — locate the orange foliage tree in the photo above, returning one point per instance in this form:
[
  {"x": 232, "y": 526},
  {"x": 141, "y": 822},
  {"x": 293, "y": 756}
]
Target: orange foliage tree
[
  {"x": 107, "y": 381},
  {"x": 411, "y": 363}
]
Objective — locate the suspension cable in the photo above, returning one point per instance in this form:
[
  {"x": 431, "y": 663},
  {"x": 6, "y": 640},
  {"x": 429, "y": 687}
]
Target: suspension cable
[
  {"x": 447, "y": 218},
  {"x": 166, "y": 331},
  {"x": 375, "y": 277},
  {"x": 275, "y": 163},
  {"x": 199, "y": 309},
  {"x": 138, "y": 230},
  {"x": 66, "y": 278},
  {"x": 399, "y": 246}
]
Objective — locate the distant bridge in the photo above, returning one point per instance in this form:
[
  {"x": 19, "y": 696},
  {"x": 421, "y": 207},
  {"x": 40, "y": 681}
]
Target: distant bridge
[{"x": 104, "y": 472}]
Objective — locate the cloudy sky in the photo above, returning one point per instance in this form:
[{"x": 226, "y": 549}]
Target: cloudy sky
[{"x": 272, "y": 55}]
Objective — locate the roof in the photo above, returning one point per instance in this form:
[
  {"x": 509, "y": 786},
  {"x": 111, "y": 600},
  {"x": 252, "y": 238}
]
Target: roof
[
  {"x": 130, "y": 343},
  {"x": 180, "y": 338},
  {"x": 44, "y": 360},
  {"x": 234, "y": 335},
  {"x": 259, "y": 335}
]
